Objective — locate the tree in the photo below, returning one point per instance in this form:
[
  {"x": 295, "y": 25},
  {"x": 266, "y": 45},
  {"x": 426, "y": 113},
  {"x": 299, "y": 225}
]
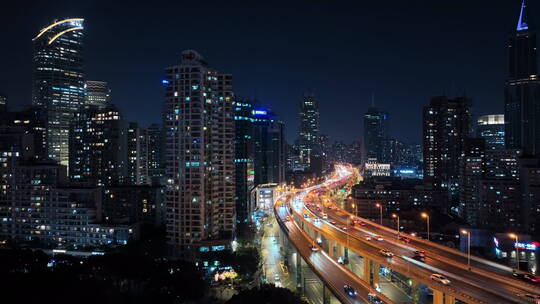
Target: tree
[{"x": 266, "y": 294}]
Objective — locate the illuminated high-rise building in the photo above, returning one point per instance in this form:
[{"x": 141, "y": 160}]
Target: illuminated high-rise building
[
  {"x": 244, "y": 156},
  {"x": 309, "y": 140},
  {"x": 199, "y": 134},
  {"x": 446, "y": 125},
  {"x": 99, "y": 148},
  {"x": 491, "y": 129},
  {"x": 375, "y": 132},
  {"x": 522, "y": 92},
  {"x": 58, "y": 81},
  {"x": 98, "y": 93}
]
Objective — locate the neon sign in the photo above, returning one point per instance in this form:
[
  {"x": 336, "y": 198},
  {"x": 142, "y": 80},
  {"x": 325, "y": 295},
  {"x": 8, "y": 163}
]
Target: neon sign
[
  {"x": 260, "y": 112},
  {"x": 527, "y": 246}
]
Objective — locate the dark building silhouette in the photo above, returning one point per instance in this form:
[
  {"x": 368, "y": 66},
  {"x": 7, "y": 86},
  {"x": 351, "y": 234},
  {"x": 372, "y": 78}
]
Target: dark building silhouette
[
  {"x": 375, "y": 132},
  {"x": 244, "y": 158},
  {"x": 446, "y": 124},
  {"x": 269, "y": 148},
  {"x": 522, "y": 92}
]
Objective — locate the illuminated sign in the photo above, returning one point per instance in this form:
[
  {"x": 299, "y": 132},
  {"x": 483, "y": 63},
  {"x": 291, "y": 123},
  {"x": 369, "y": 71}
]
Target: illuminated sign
[
  {"x": 406, "y": 171},
  {"x": 260, "y": 112},
  {"x": 165, "y": 81},
  {"x": 527, "y": 246}
]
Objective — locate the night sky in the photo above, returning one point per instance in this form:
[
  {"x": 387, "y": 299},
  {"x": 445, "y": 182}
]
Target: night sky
[{"x": 403, "y": 51}]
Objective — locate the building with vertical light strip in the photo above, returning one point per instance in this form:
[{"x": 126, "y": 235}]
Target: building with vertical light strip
[
  {"x": 200, "y": 171},
  {"x": 58, "y": 81}
]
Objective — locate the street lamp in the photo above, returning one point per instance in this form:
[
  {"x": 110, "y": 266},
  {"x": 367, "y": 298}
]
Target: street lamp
[
  {"x": 515, "y": 237},
  {"x": 426, "y": 216},
  {"x": 380, "y": 211},
  {"x": 468, "y": 233},
  {"x": 396, "y": 217},
  {"x": 355, "y": 210}
]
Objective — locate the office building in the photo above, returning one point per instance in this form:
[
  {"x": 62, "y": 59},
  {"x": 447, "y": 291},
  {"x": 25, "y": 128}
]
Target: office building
[
  {"x": 97, "y": 93},
  {"x": 199, "y": 128},
  {"x": 446, "y": 124},
  {"x": 309, "y": 142},
  {"x": 375, "y": 132},
  {"x": 244, "y": 158},
  {"x": 522, "y": 90},
  {"x": 491, "y": 129},
  {"x": 59, "y": 81},
  {"x": 269, "y": 147}
]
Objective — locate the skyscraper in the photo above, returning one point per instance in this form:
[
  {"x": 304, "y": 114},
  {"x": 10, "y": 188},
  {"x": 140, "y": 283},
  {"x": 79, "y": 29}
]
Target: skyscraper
[
  {"x": 269, "y": 143},
  {"x": 375, "y": 132},
  {"x": 491, "y": 129},
  {"x": 156, "y": 164},
  {"x": 244, "y": 154},
  {"x": 446, "y": 124},
  {"x": 522, "y": 92},
  {"x": 99, "y": 148},
  {"x": 98, "y": 93},
  {"x": 199, "y": 126},
  {"x": 58, "y": 81},
  {"x": 309, "y": 141}
]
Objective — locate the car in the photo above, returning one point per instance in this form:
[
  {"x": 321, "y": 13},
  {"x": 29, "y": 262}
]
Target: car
[
  {"x": 386, "y": 253},
  {"x": 343, "y": 227},
  {"x": 306, "y": 216},
  {"x": 405, "y": 239},
  {"x": 325, "y": 216},
  {"x": 440, "y": 278},
  {"x": 362, "y": 223},
  {"x": 379, "y": 238},
  {"x": 368, "y": 237},
  {"x": 530, "y": 297},
  {"x": 332, "y": 222},
  {"x": 319, "y": 241},
  {"x": 276, "y": 277},
  {"x": 350, "y": 291},
  {"x": 526, "y": 277},
  {"x": 340, "y": 260},
  {"x": 373, "y": 298},
  {"x": 314, "y": 248},
  {"x": 317, "y": 220},
  {"x": 421, "y": 253}
]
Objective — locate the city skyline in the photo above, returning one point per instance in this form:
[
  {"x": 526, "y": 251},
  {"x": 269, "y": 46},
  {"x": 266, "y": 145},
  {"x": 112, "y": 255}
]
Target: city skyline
[{"x": 110, "y": 54}]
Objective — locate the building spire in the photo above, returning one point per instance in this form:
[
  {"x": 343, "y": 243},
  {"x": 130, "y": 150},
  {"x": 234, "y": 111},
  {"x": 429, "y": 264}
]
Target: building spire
[{"x": 522, "y": 22}]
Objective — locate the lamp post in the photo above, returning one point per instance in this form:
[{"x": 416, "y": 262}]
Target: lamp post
[
  {"x": 468, "y": 233},
  {"x": 515, "y": 237},
  {"x": 396, "y": 217},
  {"x": 380, "y": 211},
  {"x": 426, "y": 216},
  {"x": 355, "y": 210}
]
